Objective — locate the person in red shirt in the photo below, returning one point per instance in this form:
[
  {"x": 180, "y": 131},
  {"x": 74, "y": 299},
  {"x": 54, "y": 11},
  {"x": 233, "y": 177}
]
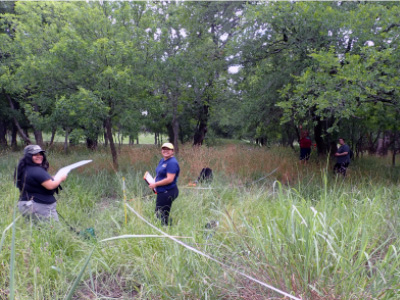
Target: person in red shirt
[{"x": 305, "y": 145}]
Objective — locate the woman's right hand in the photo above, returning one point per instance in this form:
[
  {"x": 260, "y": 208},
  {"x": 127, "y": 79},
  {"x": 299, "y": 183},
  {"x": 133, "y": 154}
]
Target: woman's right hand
[
  {"x": 61, "y": 177},
  {"x": 51, "y": 184}
]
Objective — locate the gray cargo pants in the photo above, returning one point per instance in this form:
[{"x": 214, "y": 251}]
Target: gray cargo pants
[{"x": 38, "y": 211}]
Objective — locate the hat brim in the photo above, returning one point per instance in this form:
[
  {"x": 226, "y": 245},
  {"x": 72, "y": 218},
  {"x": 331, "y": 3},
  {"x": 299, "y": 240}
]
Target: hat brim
[
  {"x": 168, "y": 145},
  {"x": 36, "y": 152}
]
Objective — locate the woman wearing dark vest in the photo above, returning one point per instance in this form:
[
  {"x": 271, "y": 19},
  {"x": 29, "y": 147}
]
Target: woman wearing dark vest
[
  {"x": 36, "y": 185},
  {"x": 167, "y": 173}
]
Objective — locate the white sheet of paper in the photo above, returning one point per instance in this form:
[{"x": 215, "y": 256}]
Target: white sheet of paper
[
  {"x": 149, "y": 179},
  {"x": 65, "y": 170},
  {"x": 147, "y": 176}
]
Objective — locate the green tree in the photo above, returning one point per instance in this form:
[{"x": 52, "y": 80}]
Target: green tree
[
  {"x": 354, "y": 83},
  {"x": 342, "y": 82},
  {"x": 78, "y": 46},
  {"x": 275, "y": 46},
  {"x": 211, "y": 27}
]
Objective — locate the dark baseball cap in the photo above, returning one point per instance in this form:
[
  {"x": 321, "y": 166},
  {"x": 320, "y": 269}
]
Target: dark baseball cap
[{"x": 33, "y": 149}]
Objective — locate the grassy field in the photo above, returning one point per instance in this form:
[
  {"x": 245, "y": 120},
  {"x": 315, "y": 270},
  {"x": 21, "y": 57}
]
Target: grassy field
[{"x": 299, "y": 229}]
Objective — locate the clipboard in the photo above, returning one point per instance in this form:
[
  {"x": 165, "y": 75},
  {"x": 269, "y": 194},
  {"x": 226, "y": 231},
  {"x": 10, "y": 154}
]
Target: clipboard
[{"x": 149, "y": 179}]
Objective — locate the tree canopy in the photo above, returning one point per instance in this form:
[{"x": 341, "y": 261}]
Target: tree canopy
[{"x": 95, "y": 69}]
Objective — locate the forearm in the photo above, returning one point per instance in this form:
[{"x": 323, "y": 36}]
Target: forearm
[
  {"x": 342, "y": 154},
  {"x": 51, "y": 184},
  {"x": 169, "y": 179},
  {"x": 164, "y": 181}
]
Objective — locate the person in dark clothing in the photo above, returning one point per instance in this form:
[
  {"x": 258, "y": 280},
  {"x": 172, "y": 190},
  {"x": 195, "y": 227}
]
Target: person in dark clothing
[
  {"x": 167, "y": 173},
  {"x": 206, "y": 176},
  {"x": 342, "y": 158},
  {"x": 36, "y": 185},
  {"x": 305, "y": 145}
]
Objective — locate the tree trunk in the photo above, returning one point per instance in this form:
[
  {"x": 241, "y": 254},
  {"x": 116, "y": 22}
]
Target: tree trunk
[
  {"x": 201, "y": 128},
  {"x": 359, "y": 146},
  {"x": 24, "y": 137},
  {"x": 21, "y": 132},
  {"x": 318, "y": 131},
  {"x": 175, "y": 124},
  {"x": 333, "y": 148},
  {"x": 394, "y": 157},
  {"x": 394, "y": 147},
  {"x": 323, "y": 139},
  {"x": 3, "y": 134},
  {"x": 105, "y": 135},
  {"x": 383, "y": 144},
  {"x": 53, "y": 134},
  {"x": 372, "y": 144},
  {"x": 181, "y": 135},
  {"x": 175, "y": 128},
  {"x": 170, "y": 131},
  {"x": 120, "y": 138},
  {"x": 38, "y": 137},
  {"x": 67, "y": 131},
  {"x": 112, "y": 145},
  {"x": 14, "y": 132},
  {"x": 38, "y": 133}
]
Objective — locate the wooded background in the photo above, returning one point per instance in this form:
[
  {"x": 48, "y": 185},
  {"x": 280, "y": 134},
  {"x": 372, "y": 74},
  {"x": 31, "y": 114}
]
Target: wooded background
[{"x": 191, "y": 70}]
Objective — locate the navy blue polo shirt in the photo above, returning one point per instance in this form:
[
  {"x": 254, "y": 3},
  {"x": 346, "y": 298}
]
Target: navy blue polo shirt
[
  {"x": 167, "y": 166},
  {"x": 345, "y": 158}
]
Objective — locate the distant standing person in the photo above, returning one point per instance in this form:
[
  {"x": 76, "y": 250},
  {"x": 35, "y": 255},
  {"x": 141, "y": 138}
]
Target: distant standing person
[
  {"x": 342, "y": 158},
  {"x": 167, "y": 173},
  {"x": 305, "y": 145},
  {"x": 36, "y": 185}
]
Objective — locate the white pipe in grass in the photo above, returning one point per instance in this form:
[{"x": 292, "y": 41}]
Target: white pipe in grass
[
  {"x": 128, "y": 236},
  {"x": 212, "y": 258}
]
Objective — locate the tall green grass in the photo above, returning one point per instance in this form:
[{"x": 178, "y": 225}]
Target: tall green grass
[{"x": 298, "y": 228}]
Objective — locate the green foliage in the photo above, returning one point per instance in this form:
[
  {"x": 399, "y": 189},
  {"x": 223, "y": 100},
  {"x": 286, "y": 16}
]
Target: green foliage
[
  {"x": 300, "y": 62},
  {"x": 353, "y": 82},
  {"x": 82, "y": 110}
]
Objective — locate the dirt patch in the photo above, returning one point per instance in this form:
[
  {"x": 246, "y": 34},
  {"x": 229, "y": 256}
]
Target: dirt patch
[
  {"x": 103, "y": 285},
  {"x": 4, "y": 294}
]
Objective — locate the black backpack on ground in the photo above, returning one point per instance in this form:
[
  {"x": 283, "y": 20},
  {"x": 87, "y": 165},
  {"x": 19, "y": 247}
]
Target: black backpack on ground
[{"x": 206, "y": 176}]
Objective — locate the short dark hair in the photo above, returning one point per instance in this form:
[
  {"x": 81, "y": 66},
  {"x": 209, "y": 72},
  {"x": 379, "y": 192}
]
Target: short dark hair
[{"x": 341, "y": 139}]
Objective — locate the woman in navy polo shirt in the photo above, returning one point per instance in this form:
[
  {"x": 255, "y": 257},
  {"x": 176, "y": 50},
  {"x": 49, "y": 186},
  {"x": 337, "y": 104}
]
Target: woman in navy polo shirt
[
  {"x": 167, "y": 173},
  {"x": 36, "y": 185}
]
